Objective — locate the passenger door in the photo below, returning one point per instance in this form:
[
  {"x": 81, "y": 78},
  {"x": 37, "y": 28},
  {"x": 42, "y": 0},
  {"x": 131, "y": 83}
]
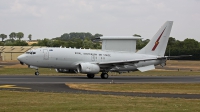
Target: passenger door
[
  {"x": 46, "y": 54},
  {"x": 94, "y": 57}
]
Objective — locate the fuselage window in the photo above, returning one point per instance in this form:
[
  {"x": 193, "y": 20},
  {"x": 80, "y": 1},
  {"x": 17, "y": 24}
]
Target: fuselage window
[{"x": 34, "y": 52}]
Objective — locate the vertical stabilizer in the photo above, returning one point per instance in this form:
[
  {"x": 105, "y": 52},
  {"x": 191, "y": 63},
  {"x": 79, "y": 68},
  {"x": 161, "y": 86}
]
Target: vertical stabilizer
[{"x": 158, "y": 43}]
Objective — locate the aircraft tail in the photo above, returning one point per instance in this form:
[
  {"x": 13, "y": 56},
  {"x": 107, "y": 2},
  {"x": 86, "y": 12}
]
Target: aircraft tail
[{"x": 158, "y": 43}]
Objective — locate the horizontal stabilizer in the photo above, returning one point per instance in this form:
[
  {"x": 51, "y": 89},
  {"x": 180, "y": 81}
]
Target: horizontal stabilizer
[
  {"x": 174, "y": 57},
  {"x": 146, "y": 68},
  {"x": 181, "y": 56}
]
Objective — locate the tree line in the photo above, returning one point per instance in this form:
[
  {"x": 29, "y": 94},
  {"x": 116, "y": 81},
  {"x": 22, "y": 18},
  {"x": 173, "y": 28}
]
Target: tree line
[
  {"x": 87, "y": 40},
  {"x": 73, "y": 39},
  {"x": 13, "y": 36},
  {"x": 73, "y": 43},
  {"x": 177, "y": 47},
  {"x": 77, "y": 35},
  {"x": 185, "y": 47},
  {"x": 14, "y": 39}
]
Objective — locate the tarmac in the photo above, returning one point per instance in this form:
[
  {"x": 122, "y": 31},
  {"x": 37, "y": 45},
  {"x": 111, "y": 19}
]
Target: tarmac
[{"x": 57, "y": 84}]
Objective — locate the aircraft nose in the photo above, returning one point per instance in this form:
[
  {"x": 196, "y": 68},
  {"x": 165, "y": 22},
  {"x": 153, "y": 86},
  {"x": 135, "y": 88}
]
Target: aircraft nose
[{"x": 21, "y": 59}]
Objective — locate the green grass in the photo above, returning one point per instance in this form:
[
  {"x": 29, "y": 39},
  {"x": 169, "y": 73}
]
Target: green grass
[
  {"x": 47, "y": 71},
  {"x": 180, "y": 88},
  {"x": 12, "y": 101},
  {"x": 27, "y": 71}
]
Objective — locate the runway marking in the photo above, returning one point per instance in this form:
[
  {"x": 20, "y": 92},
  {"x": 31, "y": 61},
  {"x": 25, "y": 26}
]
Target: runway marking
[{"x": 12, "y": 87}]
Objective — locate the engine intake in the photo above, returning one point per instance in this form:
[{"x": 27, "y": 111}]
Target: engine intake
[{"x": 89, "y": 68}]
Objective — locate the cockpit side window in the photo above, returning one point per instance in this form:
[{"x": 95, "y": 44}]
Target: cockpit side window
[{"x": 30, "y": 52}]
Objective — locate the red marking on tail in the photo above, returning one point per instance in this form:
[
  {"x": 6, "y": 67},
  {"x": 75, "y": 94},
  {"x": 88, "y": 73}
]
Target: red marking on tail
[{"x": 157, "y": 41}]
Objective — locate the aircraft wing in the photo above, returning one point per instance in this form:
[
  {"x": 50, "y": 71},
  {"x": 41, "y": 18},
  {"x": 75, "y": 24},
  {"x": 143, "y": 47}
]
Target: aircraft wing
[
  {"x": 130, "y": 62},
  {"x": 125, "y": 62}
]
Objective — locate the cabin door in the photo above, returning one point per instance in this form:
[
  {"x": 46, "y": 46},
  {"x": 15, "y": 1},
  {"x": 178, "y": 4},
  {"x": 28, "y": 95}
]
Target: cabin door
[
  {"x": 94, "y": 57},
  {"x": 46, "y": 54}
]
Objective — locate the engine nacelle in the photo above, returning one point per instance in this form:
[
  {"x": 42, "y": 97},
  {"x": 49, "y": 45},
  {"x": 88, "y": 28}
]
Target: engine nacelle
[
  {"x": 89, "y": 68},
  {"x": 61, "y": 70}
]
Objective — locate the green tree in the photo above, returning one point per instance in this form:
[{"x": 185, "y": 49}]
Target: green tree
[
  {"x": 30, "y": 36},
  {"x": 97, "y": 35},
  {"x": 1, "y": 44},
  {"x": 12, "y": 35},
  {"x": 190, "y": 44},
  {"x": 20, "y": 43},
  {"x": 87, "y": 43},
  {"x": 3, "y": 36},
  {"x": 136, "y": 35},
  {"x": 20, "y": 35},
  {"x": 140, "y": 44}
]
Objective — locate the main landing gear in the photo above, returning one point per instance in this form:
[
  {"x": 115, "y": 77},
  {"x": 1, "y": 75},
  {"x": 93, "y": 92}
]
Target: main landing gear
[
  {"x": 37, "y": 72},
  {"x": 103, "y": 76}
]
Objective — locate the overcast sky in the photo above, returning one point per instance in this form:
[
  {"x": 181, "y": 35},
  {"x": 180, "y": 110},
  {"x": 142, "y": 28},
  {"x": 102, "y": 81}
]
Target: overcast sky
[{"x": 52, "y": 18}]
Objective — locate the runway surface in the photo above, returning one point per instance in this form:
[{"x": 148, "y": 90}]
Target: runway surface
[
  {"x": 57, "y": 84},
  {"x": 97, "y": 79}
]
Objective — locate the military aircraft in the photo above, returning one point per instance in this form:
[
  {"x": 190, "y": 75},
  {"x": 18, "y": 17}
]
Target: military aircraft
[{"x": 118, "y": 54}]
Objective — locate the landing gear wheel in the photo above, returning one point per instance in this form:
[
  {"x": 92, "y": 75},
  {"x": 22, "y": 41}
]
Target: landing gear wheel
[
  {"x": 37, "y": 73},
  {"x": 90, "y": 76},
  {"x": 104, "y": 75}
]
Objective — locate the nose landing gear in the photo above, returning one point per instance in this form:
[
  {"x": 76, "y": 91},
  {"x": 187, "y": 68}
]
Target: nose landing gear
[{"x": 37, "y": 72}]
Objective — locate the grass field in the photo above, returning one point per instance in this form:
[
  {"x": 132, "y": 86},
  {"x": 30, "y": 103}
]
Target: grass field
[
  {"x": 179, "y": 88},
  {"x": 186, "y": 68},
  {"x": 13, "y": 101},
  {"x": 183, "y": 65}
]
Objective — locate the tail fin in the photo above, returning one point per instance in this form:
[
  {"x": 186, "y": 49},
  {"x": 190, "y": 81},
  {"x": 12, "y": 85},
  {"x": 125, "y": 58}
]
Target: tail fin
[{"x": 158, "y": 43}]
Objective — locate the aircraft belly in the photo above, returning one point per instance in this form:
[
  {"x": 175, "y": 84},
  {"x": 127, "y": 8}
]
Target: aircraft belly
[{"x": 126, "y": 68}]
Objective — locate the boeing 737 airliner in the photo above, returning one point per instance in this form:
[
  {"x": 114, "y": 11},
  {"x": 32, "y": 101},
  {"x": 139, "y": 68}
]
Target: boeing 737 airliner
[{"x": 92, "y": 62}]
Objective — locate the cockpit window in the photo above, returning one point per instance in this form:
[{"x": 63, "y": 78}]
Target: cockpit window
[{"x": 30, "y": 52}]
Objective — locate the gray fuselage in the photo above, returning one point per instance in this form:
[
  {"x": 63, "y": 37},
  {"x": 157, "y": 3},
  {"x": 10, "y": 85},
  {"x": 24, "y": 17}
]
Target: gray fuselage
[{"x": 69, "y": 58}]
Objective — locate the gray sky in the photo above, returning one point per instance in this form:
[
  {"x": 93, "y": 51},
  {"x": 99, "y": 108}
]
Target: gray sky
[{"x": 52, "y": 18}]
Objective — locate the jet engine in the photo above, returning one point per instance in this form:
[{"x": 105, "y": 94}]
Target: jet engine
[
  {"x": 60, "y": 70},
  {"x": 89, "y": 68}
]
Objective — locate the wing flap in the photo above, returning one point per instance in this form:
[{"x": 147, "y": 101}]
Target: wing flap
[{"x": 146, "y": 68}]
